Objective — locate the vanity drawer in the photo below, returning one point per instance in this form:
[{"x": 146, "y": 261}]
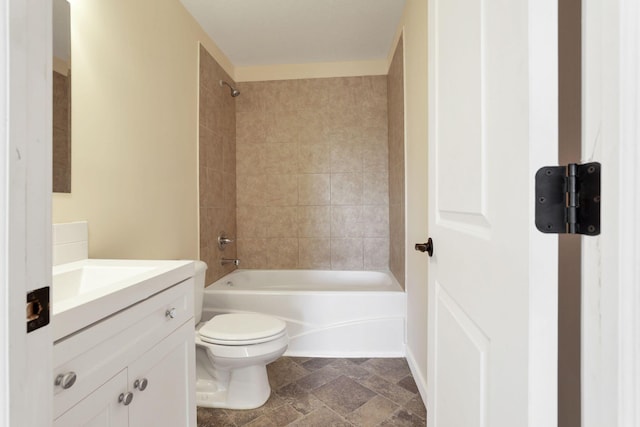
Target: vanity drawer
[{"x": 101, "y": 350}]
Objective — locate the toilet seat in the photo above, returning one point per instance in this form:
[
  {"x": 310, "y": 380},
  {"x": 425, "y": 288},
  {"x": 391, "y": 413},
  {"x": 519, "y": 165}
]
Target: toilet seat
[{"x": 242, "y": 329}]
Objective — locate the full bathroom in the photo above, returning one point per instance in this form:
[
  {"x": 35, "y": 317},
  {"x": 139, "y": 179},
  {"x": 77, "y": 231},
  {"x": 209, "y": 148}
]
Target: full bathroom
[{"x": 295, "y": 175}]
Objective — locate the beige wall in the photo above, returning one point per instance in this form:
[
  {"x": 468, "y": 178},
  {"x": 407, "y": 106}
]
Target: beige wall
[
  {"x": 312, "y": 174},
  {"x": 395, "y": 101},
  {"x": 414, "y": 23},
  {"x": 135, "y": 122},
  {"x": 311, "y": 70},
  {"x": 217, "y": 166}
]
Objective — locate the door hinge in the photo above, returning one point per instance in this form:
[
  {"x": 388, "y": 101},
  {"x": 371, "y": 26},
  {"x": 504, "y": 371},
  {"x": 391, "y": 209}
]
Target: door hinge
[{"x": 568, "y": 199}]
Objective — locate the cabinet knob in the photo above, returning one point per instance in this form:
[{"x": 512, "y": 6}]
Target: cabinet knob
[
  {"x": 125, "y": 398},
  {"x": 141, "y": 384},
  {"x": 66, "y": 380},
  {"x": 171, "y": 313}
]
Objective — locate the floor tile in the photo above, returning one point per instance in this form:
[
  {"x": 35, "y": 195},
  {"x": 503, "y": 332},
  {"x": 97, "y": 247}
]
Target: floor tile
[
  {"x": 278, "y": 417},
  {"x": 393, "y": 370},
  {"x": 213, "y": 418},
  {"x": 416, "y": 406},
  {"x": 284, "y": 371},
  {"x": 322, "y": 417},
  {"x": 323, "y": 392},
  {"x": 387, "y": 389},
  {"x": 317, "y": 363},
  {"x": 403, "y": 418},
  {"x": 409, "y": 384},
  {"x": 350, "y": 369},
  {"x": 318, "y": 378},
  {"x": 300, "y": 399},
  {"x": 373, "y": 412},
  {"x": 343, "y": 395}
]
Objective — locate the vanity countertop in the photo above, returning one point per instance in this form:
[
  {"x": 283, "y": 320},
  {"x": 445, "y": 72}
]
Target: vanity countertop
[{"x": 90, "y": 290}]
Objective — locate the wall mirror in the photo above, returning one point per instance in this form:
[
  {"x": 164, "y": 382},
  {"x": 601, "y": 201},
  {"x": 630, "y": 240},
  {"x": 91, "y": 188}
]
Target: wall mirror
[{"x": 61, "y": 96}]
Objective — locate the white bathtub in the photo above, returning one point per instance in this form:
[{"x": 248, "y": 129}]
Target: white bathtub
[{"x": 328, "y": 313}]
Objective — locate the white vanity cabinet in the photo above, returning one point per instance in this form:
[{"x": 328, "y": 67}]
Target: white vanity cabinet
[{"x": 134, "y": 368}]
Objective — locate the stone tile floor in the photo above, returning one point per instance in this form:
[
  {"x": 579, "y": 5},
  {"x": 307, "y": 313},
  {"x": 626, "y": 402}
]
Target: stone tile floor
[{"x": 326, "y": 392}]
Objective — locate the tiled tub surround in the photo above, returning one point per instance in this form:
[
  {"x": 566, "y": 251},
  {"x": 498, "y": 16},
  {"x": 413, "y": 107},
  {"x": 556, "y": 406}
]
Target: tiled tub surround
[
  {"x": 217, "y": 168},
  {"x": 331, "y": 392},
  {"x": 61, "y": 135},
  {"x": 395, "y": 96},
  {"x": 312, "y": 174}
]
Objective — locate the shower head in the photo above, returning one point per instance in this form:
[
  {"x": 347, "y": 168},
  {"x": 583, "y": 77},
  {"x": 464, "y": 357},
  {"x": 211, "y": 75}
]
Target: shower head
[{"x": 234, "y": 92}]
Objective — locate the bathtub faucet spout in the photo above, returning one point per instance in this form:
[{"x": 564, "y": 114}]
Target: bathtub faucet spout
[{"x": 234, "y": 261}]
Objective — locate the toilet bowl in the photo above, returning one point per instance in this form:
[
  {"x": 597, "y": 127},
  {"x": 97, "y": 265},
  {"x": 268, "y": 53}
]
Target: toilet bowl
[{"x": 232, "y": 353}]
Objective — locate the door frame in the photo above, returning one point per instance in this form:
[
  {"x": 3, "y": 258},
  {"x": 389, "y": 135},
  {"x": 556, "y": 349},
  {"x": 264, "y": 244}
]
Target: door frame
[
  {"x": 25, "y": 208},
  {"x": 610, "y": 269}
]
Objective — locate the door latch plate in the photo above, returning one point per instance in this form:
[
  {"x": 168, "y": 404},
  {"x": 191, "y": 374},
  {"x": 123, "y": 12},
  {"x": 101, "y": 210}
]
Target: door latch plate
[{"x": 38, "y": 308}]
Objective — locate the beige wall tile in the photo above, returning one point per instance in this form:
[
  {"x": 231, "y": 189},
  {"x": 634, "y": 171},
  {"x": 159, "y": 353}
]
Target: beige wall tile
[
  {"x": 314, "y": 124},
  {"x": 314, "y": 189},
  {"x": 346, "y": 221},
  {"x": 251, "y": 190},
  {"x": 314, "y": 158},
  {"x": 376, "y": 253},
  {"x": 282, "y": 221},
  {"x": 346, "y": 157},
  {"x": 251, "y": 127},
  {"x": 252, "y": 98},
  {"x": 281, "y": 158},
  {"x": 346, "y": 188},
  {"x": 282, "y": 253},
  {"x": 395, "y": 107},
  {"x": 347, "y": 254},
  {"x": 217, "y": 174},
  {"x": 252, "y": 253},
  {"x": 324, "y": 156},
  {"x": 251, "y": 159},
  {"x": 213, "y": 192},
  {"x": 375, "y": 156},
  {"x": 229, "y": 154},
  {"x": 229, "y": 189},
  {"x": 375, "y": 221},
  {"x": 314, "y": 221},
  {"x": 314, "y": 253},
  {"x": 282, "y": 190},
  {"x": 375, "y": 188},
  {"x": 252, "y": 222}
]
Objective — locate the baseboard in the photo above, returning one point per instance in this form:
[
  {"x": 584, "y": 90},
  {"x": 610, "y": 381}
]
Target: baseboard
[{"x": 418, "y": 376}]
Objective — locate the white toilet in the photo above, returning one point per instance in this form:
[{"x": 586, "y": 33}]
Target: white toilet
[{"x": 232, "y": 353}]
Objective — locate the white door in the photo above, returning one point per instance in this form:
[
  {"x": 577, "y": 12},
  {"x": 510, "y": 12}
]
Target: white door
[
  {"x": 493, "y": 276},
  {"x": 25, "y": 213}
]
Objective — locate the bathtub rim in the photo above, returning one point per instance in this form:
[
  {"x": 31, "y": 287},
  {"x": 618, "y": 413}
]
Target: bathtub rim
[{"x": 209, "y": 288}]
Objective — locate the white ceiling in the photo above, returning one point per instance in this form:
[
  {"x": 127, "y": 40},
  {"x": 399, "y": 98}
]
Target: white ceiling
[{"x": 267, "y": 32}]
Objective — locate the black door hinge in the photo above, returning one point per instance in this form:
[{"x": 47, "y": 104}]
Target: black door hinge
[{"x": 568, "y": 199}]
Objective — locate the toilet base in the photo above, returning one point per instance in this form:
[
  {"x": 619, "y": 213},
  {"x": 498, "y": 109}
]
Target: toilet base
[
  {"x": 224, "y": 383},
  {"x": 247, "y": 389}
]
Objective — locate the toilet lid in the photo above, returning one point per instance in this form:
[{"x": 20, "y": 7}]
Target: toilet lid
[{"x": 241, "y": 327}]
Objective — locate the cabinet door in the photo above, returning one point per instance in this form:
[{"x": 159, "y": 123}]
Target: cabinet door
[
  {"x": 168, "y": 399},
  {"x": 101, "y": 408}
]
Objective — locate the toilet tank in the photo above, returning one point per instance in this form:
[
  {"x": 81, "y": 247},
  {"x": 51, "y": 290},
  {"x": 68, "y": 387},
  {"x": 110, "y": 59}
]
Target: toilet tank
[{"x": 198, "y": 285}]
